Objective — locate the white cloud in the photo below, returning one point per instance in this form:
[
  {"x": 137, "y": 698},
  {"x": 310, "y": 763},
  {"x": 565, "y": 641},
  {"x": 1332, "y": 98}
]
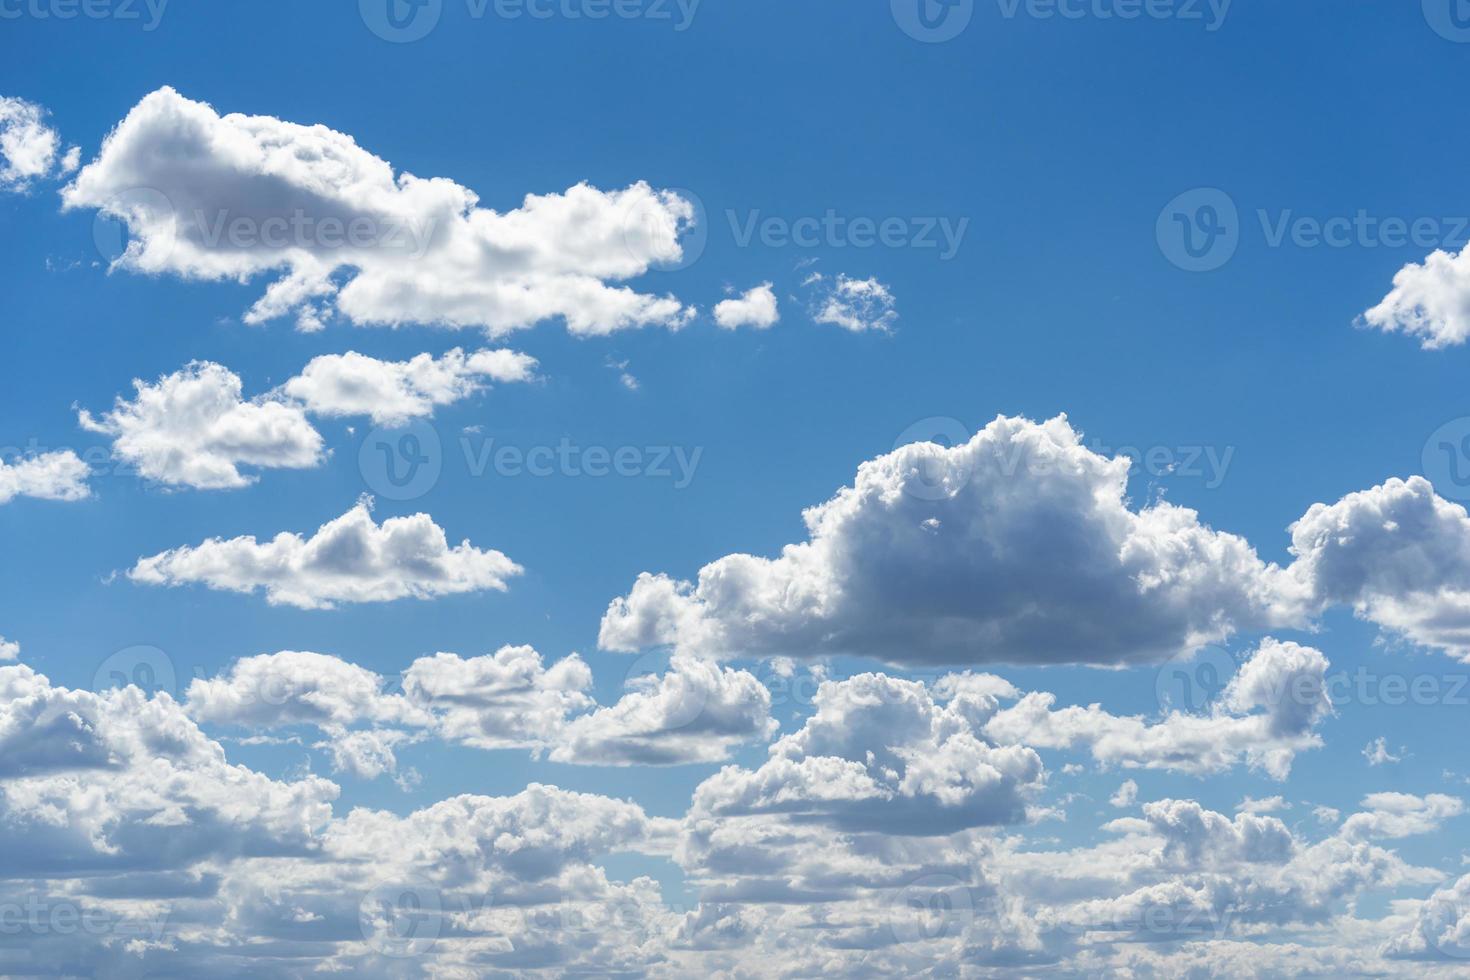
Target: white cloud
[
  {"x": 391, "y": 392},
  {"x": 1017, "y": 546},
  {"x": 1126, "y": 795},
  {"x": 1377, "y": 753},
  {"x": 1398, "y": 554},
  {"x": 30, "y": 150},
  {"x": 880, "y": 753},
  {"x": 1269, "y": 804},
  {"x": 350, "y": 559},
  {"x": 193, "y": 429},
  {"x": 1430, "y": 301},
  {"x": 232, "y": 197},
  {"x": 60, "y": 475},
  {"x": 117, "y": 804},
  {"x": 1266, "y": 714},
  {"x": 9, "y": 650},
  {"x": 755, "y": 308},
  {"x": 858, "y": 305},
  {"x": 697, "y": 711}
]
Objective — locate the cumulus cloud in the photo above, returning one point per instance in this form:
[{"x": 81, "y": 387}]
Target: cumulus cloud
[
  {"x": 192, "y": 428},
  {"x": 30, "y": 150},
  {"x": 1377, "y": 753},
  {"x": 881, "y": 753},
  {"x": 1429, "y": 300},
  {"x": 60, "y": 475},
  {"x": 396, "y": 391},
  {"x": 755, "y": 308},
  {"x": 1126, "y": 795},
  {"x": 116, "y": 803},
  {"x": 350, "y": 559},
  {"x": 1398, "y": 555},
  {"x": 233, "y": 197},
  {"x": 859, "y": 305},
  {"x": 1018, "y": 546},
  {"x": 1440, "y": 928},
  {"x": 9, "y": 650},
  {"x": 697, "y": 711},
  {"x": 1266, "y": 714}
]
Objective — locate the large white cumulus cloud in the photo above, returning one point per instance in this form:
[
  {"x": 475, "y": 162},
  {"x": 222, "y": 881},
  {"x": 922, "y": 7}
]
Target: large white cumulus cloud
[
  {"x": 233, "y": 197},
  {"x": 1020, "y": 545}
]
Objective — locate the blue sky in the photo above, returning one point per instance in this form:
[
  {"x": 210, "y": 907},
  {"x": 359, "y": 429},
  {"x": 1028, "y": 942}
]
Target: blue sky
[{"x": 1048, "y": 148}]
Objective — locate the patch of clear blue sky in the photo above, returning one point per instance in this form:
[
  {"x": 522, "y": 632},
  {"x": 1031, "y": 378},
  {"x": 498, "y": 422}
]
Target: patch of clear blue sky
[{"x": 1060, "y": 141}]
